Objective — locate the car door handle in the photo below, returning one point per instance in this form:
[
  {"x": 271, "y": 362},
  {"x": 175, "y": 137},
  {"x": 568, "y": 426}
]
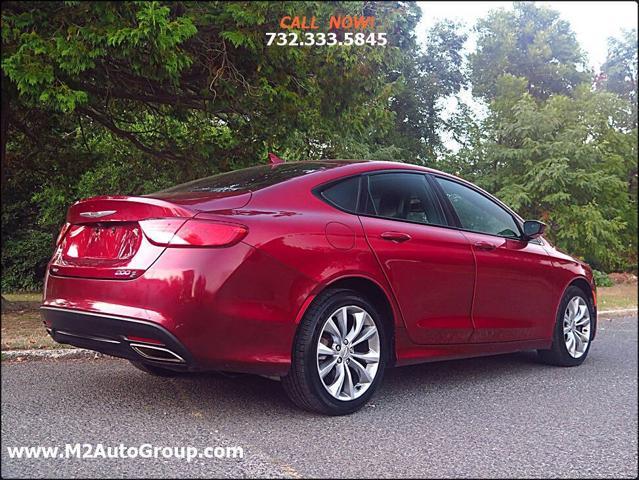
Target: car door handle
[
  {"x": 395, "y": 236},
  {"x": 485, "y": 246}
]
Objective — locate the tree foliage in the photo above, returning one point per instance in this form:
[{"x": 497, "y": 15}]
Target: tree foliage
[
  {"x": 530, "y": 42},
  {"x": 552, "y": 146},
  {"x": 130, "y": 97},
  {"x": 430, "y": 76},
  {"x": 561, "y": 161},
  {"x": 620, "y": 70}
]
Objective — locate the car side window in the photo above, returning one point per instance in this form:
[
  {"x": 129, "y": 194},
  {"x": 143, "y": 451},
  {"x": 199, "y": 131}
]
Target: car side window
[
  {"x": 404, "y": 196},
  {"x": 477, "y": 212},
  {"x": 343, "y": 194}
]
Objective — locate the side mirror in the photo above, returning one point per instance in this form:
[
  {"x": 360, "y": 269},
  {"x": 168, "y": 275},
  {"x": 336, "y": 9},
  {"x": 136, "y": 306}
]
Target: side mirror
[{"x": 533, "y": 229}]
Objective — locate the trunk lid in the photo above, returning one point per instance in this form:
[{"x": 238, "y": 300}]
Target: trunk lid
[{"x": 104, "y": 236}]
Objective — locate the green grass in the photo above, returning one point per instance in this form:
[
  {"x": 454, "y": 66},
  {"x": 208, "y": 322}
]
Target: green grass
[
  {"x": 21, "y": 323},
  {"x": 617, "y": 297},
  {"x": 23, "y": 329},
  {"x": 23, "y": 297}
]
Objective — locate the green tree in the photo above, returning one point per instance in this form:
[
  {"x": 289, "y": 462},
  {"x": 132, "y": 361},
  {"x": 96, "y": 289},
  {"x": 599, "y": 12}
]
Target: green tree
[
  {"x": 551, "y": 146},
  {"x": 129, "y": 97},
  {"x": 619, "y": 75},
  {"x": 620, "y": 69},
  {"x": 561, "y": 161},
  {"x": 530, "y": 42},
  {"x": 431, "y": 76}
]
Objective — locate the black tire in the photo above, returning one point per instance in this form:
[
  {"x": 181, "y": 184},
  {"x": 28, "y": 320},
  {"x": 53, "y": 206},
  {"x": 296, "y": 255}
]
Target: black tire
[
  {"x": 303, "y": 384},
  {"x": 558, "y": 352},
  {"x": 155, "y": 371}
]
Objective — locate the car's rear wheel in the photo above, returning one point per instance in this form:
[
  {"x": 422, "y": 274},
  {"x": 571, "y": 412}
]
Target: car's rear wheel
[
  {"x": 573, "y": 331},
  {"x": 339, "y": 354},
  {"x": 154, "y": 370}
]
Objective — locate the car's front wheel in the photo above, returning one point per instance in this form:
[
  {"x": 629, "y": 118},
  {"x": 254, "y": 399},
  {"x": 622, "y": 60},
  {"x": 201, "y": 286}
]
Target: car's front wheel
[
  {"x": 339, "y": 354},
  {"x": 574, "y": 328}
]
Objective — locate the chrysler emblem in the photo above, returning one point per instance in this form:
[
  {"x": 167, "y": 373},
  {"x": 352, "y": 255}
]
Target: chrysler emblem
[{"x": 102, "y": 213}]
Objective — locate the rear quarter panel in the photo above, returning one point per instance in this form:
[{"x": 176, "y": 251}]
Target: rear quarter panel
[{"x": 303, "y": 234}]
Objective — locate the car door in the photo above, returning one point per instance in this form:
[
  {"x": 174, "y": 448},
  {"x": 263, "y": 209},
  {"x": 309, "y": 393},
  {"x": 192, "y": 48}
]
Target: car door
[
  {"x": 513, "y": 292},
  {"x": 430, "y": 268}
]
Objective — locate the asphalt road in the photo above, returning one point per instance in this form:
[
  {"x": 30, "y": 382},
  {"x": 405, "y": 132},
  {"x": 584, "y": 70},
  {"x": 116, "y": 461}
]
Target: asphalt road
[{"x": 506, "y": 416}]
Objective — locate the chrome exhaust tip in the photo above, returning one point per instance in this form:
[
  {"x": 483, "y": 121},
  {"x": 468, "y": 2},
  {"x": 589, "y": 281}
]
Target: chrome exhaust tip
[{"x": 159, "y": 354}]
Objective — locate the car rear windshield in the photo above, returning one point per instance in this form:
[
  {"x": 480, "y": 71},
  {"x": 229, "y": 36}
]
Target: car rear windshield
[{"x": 250, "y": 179}]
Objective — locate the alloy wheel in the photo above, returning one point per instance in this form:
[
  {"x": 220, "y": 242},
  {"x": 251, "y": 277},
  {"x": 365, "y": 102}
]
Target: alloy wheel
[
  {"x": 348, "y": 353},
  {"x": 576, "y": 327}
]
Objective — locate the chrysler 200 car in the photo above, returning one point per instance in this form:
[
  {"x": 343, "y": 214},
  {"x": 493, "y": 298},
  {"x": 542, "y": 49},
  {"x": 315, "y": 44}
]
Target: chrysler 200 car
[{"x": 322, "y": 273}]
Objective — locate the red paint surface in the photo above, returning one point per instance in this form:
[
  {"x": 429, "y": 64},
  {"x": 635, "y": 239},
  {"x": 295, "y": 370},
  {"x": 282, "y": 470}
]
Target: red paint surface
[{"x": 237, "y": 307}]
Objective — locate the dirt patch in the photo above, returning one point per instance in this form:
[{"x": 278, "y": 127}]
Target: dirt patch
[
  {"x": 622, "y": 278},
  {"x": 22, "y": 327},
  {"x": 622, "y": 295}
]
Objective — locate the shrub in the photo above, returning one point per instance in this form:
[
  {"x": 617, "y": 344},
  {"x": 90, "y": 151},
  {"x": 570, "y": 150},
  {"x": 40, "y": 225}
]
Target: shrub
[
  {"x": 24, "y": 260},
  {"x": 602, "y": 279}
]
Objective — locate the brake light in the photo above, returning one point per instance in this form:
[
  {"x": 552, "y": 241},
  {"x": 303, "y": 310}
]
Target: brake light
[
  {"x": 63, "y": 232},
  {"x": 192, "y": 233}
]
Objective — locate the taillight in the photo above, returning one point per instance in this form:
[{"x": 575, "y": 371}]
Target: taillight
[
  {"x": 203, "y": 233},
  {"x": 161, "y": 230},
  {"x": 62, "y": 233},
  {"x": 192, "y": 233}
]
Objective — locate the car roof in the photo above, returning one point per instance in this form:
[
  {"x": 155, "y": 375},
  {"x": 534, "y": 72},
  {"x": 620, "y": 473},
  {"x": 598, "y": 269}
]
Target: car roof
[
  {"x": 338, "y": 168},
  {"x": 370, "y": 165}
]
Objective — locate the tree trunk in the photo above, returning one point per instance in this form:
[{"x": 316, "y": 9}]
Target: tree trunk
[
  {"x": 4, "y": 129},
  {"x": 5, "y": 304}
]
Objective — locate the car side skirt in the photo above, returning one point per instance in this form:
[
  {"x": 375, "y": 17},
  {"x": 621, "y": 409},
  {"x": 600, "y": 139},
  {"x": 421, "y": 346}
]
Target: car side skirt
[{"x": 409, "y": 353}]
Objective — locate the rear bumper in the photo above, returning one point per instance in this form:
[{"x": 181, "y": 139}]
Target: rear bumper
[
  {"x": 135, "y": 340},
  {"x": 232, "y": 309}
]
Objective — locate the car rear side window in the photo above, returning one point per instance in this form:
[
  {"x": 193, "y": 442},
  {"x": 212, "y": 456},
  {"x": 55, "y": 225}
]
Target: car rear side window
[
  {"x": 344, "y": 194},
  {"x": 404, "y": 196},
  {"x": 478, "y": 213}
]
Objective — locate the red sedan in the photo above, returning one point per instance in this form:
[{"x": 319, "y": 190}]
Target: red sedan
[{"x": 321, "y": 273}]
